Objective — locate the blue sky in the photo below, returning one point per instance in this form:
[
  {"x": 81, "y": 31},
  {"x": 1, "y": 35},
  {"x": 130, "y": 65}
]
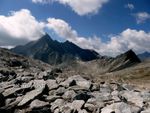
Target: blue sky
[{"x": 110, "y": 23}]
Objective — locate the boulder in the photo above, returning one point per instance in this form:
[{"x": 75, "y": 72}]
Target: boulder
[
  {"x": 133, "y": 97},
  {"x": 69, "y": 94},
  {"x": 11, "y": 91},
  {"x": 52, "y": 84},
  {"x": 32, "y": 94},
  {"x": 117, "y": 108},
  {"x": 57, "y": 104},
  {"x": 38, "y": 104},
  {"x": 77, "y": 105},
  {"x": 76, "y": 80}
]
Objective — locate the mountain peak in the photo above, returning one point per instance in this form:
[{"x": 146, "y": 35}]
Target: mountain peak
[
  {"x": 130, "y": 55},
  {"x": 54, "y": 52}
]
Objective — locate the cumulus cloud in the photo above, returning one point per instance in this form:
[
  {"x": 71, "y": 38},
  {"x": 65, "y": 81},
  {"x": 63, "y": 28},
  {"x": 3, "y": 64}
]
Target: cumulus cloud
[
  {"x": 19, "y": 27},
  {"x": 81, "y": 7},
  {"x": 128, "y": 39},
  {"x": 130, "y": 6},
  {"x": 141, "y": 17}
]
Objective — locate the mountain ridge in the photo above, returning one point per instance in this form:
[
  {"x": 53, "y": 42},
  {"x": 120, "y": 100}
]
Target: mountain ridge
[{"x": 45, "y": 48}]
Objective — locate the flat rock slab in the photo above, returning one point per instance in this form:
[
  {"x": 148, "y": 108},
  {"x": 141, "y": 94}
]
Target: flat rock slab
[
  {"x": 11, "y": 91},
  {"x": 38, "y": 104},
  {"x": 30, "y": 96}
]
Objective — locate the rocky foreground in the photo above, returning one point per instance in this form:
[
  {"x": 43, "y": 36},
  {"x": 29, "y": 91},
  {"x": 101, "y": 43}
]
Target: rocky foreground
[
  {"x": 73, "y": 95},
  {"x": 28, "y": 86}
]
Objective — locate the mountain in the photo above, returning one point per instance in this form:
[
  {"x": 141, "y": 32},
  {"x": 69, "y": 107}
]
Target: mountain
[
  {"x": 104, "y": 64},
  {"x": 31, "y": 86},
  {"x": 54, "y": 52},
  {"x": 144, "y": 55}
]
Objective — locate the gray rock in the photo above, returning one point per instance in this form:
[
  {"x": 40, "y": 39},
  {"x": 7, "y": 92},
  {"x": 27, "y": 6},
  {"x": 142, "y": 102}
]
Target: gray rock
[
  {"x": 117, "y": 108},
  {"x": 32, "y": 95},
  {"x": 39, "y": 84},
  {"x": 101, "y": 97},
  {"x": 90, "y": 107},
  {"x": 128, "y": 87},
  {"x": 38, "y": 104},
  {"x": 60, "y": 91},
  {"x": 95, "y": 102},
  {"x": 133, "y": 97},
  {"x": 52, "y": 84},
  {"x": 13, "y": 103},
  {"x": 57, "y": 104},
  {"x": 69, "y": 94},
  {"x": 11, "y": 91},
  {"x": 77, "y": 105},
  {"x": 78, "y": 80},
  {"x": 52, "y": 98},
  {"x": 105, "y": 88}
]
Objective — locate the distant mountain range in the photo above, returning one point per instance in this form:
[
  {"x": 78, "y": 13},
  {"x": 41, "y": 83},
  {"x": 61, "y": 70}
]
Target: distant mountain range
[
  {"x": 54, "y": 52},
  {"x": 144, "y": 55},
  {"x": 68, "y": 54}
]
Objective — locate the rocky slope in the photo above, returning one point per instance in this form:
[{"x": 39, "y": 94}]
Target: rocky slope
[
  {"x": 54, "y": 52},
  {"x": 103, "y": 65},
  {"x": 29, "y": 86}
]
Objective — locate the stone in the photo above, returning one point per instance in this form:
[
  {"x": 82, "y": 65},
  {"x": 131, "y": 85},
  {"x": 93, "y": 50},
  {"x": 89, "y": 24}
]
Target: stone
[
  {"x": 38, "y": 104},
  {"x": 52, "y": 84},
  {"x": 77, "y": 104},
  {"x": 52, "y": 98},
  {"x": 128, "y": 87},
  {"x": 133, "y": 97},
  {"x": 90, "y": 107},
  {"x": 95, "y": 87},
  {"x": 31, "y": 95},
  {"x": 101, "y": 97},
  {"x": 39, "y": 84},
  {"x": 82, "y": 111},
  {"x": 146, "y": 96},
  {"x": 105, "y": 89},
  {"x": 69, "y": 94},
  {"x": 11, "y": 91},
  {"x": 57, "y": 104},
  {"x": 78, "y": 80},
  {"x": 116, "y": 108},
  {"x": 14, "y": 103},
  {"x": 60, "y": 91},
  {"x": 95, "y": 102}
]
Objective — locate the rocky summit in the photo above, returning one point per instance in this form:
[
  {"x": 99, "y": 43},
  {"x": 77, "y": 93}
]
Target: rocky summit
[{"x": 29, "y": 86}]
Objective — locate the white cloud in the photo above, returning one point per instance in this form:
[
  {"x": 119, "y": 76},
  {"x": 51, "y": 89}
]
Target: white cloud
[
  {"x": 139, "y": 41},
  {"x": 41, "y": 1},
  {"x": 81, "y": 7},
  {"x": 130, "y": 6},
  {"x": 19, "y": 27},
  {"x": 141, "y": 17}
]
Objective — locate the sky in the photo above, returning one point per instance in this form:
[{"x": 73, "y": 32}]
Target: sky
[{"x": 109, "y": 27}]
